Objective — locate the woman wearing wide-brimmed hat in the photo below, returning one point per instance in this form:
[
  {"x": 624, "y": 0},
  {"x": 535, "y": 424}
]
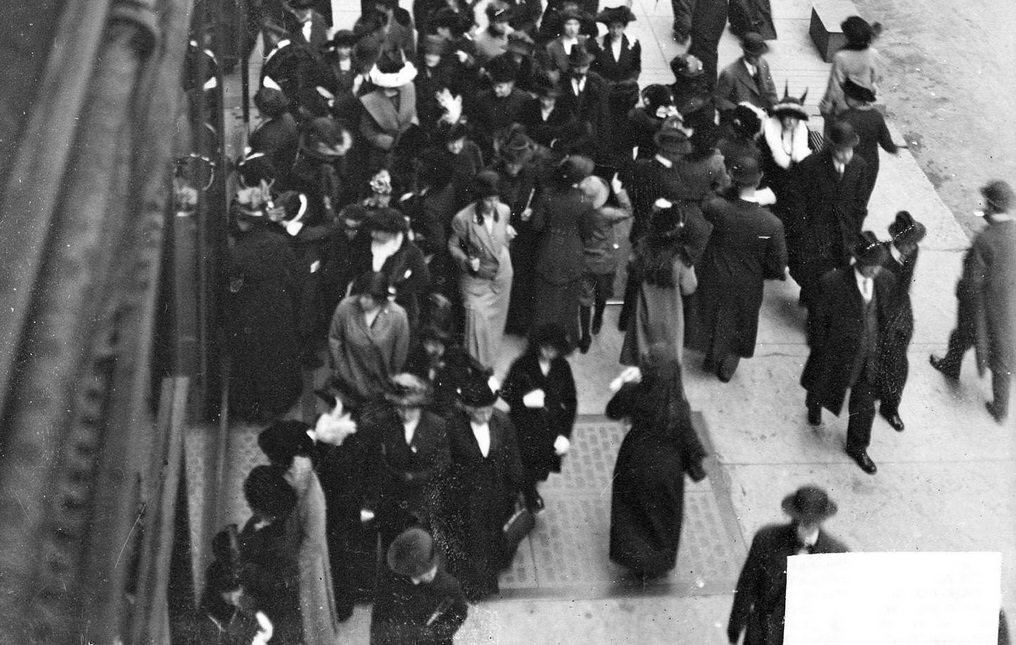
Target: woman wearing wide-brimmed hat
[
  {"x": 857, "y": 60},
  {"x": 390, "y": 109},
  {"x": 784, "y": 144},
  {"x": 618, "y": 56},
  {"x": 478, "y": 244},
  {"x": 870, "y": 126}
]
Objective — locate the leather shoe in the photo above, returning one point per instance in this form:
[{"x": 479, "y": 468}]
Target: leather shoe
[
  {"x": 864, "y": 461},
  {"x": 584, "y": 344},
  {"x": 940, "y": 365},
  {"x": 995, "y": 413},
  {"x": 536, "y": 504},
  {"x": 597, "y": 324},
  {"x": 894, "y": 420},
  {"x": 815, "y": 416}
]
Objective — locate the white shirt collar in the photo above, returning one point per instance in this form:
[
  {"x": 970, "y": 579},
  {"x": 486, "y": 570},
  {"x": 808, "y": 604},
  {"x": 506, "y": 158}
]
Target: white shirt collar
[
  {"x": 482, "y": 434},
  {"x": 865, "y": 285},
  {"x": 751, "y": 68},
  {"x": 568, "y": 43},
  {"x": 667, "y": 163},
  {"x": 615, "y": 48},
  {"x": 579, "y": 84}
]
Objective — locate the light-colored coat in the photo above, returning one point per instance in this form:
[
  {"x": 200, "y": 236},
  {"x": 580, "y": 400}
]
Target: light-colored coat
[{"x": 362, "y": 357}]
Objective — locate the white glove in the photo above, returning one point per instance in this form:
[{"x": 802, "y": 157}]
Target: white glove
[
  {"x": 266, "y": 630},
  {"x": 334, "y": 427},
  {"x": 561, "y": 445},
  {"x": 365, "y": 515},
  {"x": 615, "y": 184},
  {"x": 535, "y": 399},
  {"x": 494, "y": 383},
  {"x": 629, "y": 375},
  {"x": 662, "y": 204}
]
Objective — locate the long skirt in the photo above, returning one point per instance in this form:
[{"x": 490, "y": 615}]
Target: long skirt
[
  {"x": 557, "y": 303},
  {"x": 486, "y": 306}
]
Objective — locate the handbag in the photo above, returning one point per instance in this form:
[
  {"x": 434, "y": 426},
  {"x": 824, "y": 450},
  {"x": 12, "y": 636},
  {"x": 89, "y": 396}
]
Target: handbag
[{"x": 518, "y": 526}]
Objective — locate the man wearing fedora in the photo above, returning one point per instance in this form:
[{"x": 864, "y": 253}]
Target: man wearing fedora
[
  {"x": 986, "y": 318},
  {"x": 413, "y": 456},
  {"x": 847, "y": 329},
  {"x": 748, "y": 78},
  {"x": 584, "y": 93},
  {"x": 828, "y": 202},
  {"x": 906, "y": 233},
  {"x": 745, "y": 248},
  {"x": 761, "y": 594},
  {"x": 417, "y": 601}
]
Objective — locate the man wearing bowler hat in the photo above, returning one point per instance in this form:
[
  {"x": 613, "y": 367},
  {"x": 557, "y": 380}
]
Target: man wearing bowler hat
[
  {"x": 761, "y": 594},
  {"x": 584, "y": 93},
  {"x": 906, "y": 233},
  {"x": 748, "y": 78},
  {"x": 828, "y": 202},
  {"x": 417, "y": 601},
  {"x": 846, "y": 331},
  {"x": 987, "y": 301}
]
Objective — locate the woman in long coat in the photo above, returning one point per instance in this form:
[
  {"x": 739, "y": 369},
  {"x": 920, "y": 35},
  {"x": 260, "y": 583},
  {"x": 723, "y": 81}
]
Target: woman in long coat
[
  {"x": 647, "y": 497},
  {"x": 858, "y": 61},
  {"x": 559, "y": 261},
  {"x": 482, "y": 488},
  {"x": 540, "y": 390},
  {"x": 479, "y": 246},
  {"x": 368, "y": 340},
  {"x": 664, "y": 273},
  {"x": 745, "y": 248},
  {"x": 263, "y": 288},
  {"x": 289, "y": 448}
]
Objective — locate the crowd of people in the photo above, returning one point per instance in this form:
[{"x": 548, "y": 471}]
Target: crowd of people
[{"x": 429, "y": 180}]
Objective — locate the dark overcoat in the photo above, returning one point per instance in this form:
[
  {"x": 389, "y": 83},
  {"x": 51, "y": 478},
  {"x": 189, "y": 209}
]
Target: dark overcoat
[
  {"x": 279, "y": 139},
  {"x": 270, "y": 576},
  {"x": 537, "y": 428},
  {"x": 425, "y": 614},
  {"x": 745, "y": 248},
  {"x": 987, "y": 299},
  {"x": 262, "y": 293},
  {"x": 647, "y": 494},
  {"x": 559, "y": 258},
  {"x": 761, "y": 594},
  {"x": 900, "y": 327},
  {"x": 835, "y": 328},
  {"x": 479, "y": 497},
  {"x": 409, "y": 275},
  {"x": 752, "y": 15},
  {"x": 628, "y": 65}
]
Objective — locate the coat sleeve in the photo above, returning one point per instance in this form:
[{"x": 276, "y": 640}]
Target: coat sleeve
[
  {"x": 636, "y": 61},
  {"x": 460, "y": 228},
  {"x": 515, "y": 386},
  {"x": 622, "y": 404},
  {"x": 724, "y": 88},
  {"x": 569, "y": 399},
  {"x": 775, "y": 267},
  {"x": 885, "y": 138},
  {"x": 401, "y": 340},
  {"x": 820, "y": 319},
  {"x": 744, "y": 593},
  {"x": 336, "y": 337}
]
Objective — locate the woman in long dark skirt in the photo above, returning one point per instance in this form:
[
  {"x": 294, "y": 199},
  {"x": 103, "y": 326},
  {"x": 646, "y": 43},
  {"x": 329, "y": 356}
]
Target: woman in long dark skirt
[{"x": 647, "y": 501}]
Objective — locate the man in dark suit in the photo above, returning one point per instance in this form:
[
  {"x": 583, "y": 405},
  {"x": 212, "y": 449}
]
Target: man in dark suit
[
  {"x": 828, "y": 204},
  {"x": 987, "y": 304},
  {"x": 846, "y": 330},
  {"x": 414, "y": 455},
  {"x": 306, "y": 26},
  {"x": 747, "y": 79},
  {"x": 584, "y": 94},
  {"x": 761, "y": 594},
  {"x": 906, "y": 234},
  {"x": 708, "y": 20}
]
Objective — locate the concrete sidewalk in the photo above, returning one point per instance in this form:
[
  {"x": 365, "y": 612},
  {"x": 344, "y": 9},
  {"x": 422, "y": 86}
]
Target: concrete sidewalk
[{"x": 945, "y": 484}]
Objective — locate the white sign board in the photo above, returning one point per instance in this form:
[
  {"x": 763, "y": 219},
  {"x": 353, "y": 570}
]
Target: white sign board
[{"x": 893, "y": 599}]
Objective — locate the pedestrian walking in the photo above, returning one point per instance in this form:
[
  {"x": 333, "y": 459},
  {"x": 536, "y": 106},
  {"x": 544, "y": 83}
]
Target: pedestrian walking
[
  {"x": 708, "y": 20},
  {"x": 647, "y": 493},
  {"x": 540, "y": 392},
  {"x": 784, "y": 144},
  {"x": 745, "y": 248},
  {"x": 906, "y": 233},
  {"x": 479, "y": 246},
  {"x": 846, "y": 330},
  {"x": 747, "y": 79},
  {"x": 418, "y": 601},
  {"x": 870, "y": 126},
  {"x": 857, "y": 60},
  {"x": 829, "y": 203},
  {"x": 760, "y": 597},
  {"x": 986, "y": 318}
]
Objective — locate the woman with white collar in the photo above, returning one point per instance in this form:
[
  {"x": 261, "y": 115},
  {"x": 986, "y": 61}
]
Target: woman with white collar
[
  {"x": 785, "y": 144},
  {"x": 402, "y": 262}
]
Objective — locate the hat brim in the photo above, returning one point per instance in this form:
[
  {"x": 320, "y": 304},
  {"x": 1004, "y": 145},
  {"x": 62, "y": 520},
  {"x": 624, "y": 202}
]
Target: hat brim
[
  {"x": 790, "y": 508},
  {"x": 409, "y": 401},
  {"x": 394, "y": 80},
  {"x": 755, "y": 49},
  {"x": 849, "y": 143},
  {"x": 912, "y": 234},
  {"x": 795, "y": 111},
  {"x": 586, "y": 60},
  {"x": 872, "y": 258}
]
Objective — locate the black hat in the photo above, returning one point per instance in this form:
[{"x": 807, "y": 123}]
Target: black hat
[
  {"x": 620, "y": 14},
  {"x": 344, "y": 38},
  {"x": 656, "y": 96},
  {"x": 439, "y": 320},
  {"x": 448, "y": 18},
  {"x": 574, "y": 168},
  {"x": 622, "y": 96},
  {"x": 549, "y": 334},
  {"x": 517, "y": 148},
  {"x": 354, "y": 212},
  {"x": 434, "y": 44},
  {"x": 485, "y": 184},
  {"x": 502, "y": 69},
  {"x": 255, "y": 168},
  {"x": 571, "y": 14},
  {"x": 580, "y": 56},
  {"x": 746, "y": 121},
  {"x": 907, "y": 230},
  {"x": 686, "y": 66},
  {"x": 745, "y": 172},
  {"x": 498, "y": 14},
  {"x": 266, "y": 490},
  {"x": 672, "y": 141},
  {"x": 809, "y": 503},
  {"x": 869, "y": 251},
  {"x": 842, "y": 135},
  {"x": 284, "y": 440},
  {"x": 545, "y": 86},
  {"x": 857, "y": 31},
  {"x": 752, "y": 43},
  {"x": 454, "y": 132},
  {"x": 388, "y": 220},
  {"x": 271, "y": 102},
  {"x": 373, "y": 284},
  {"x": 857, "y": 91},
  {"x": 476, "y": 392},
  {"x": 790, "y": 106},
  {"x": 408, "y": 390},
  {"x": 412, "y": 554},
  {"x": 998, "y": 193},
  {"x": 519, "y": 42}
]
